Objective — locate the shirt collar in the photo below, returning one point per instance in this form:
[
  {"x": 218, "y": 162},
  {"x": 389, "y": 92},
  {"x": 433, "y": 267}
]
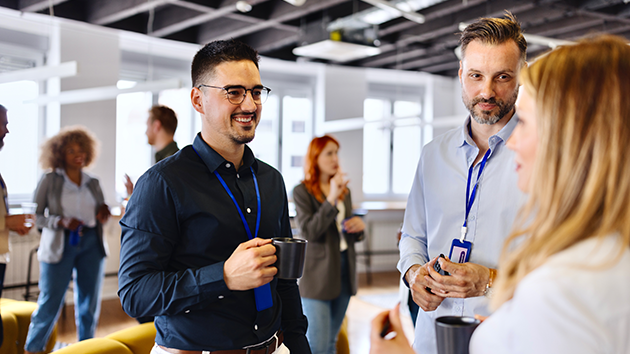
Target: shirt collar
[
  {"x": 502, "y": 135},
  {"x": 213, "y": 160},
  {"x": 85, "y": 178}
]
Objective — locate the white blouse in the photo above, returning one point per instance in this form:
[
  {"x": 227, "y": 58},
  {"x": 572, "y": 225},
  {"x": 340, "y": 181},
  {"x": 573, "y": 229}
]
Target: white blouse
[{"x": 571, "y": 304}]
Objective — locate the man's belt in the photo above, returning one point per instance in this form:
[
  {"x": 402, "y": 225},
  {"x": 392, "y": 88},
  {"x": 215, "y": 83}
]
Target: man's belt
[{"x": 267, "y": 347}]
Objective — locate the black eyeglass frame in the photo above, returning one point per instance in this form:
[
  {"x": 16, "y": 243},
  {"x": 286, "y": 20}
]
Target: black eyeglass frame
[{"x": 227, "y": 90}]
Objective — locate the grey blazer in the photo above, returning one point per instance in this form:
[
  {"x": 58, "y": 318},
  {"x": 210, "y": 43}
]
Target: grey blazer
[
  {"x": 322, "y": 269},
  {"x": 48, "y": 196}
]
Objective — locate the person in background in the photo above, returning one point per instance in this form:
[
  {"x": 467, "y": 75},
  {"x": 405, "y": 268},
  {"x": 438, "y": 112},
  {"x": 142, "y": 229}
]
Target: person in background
[
  {"x": 464, "y": 198},
  {"x": 13, "y": 222},
  {"x": 196, "y": 248},
  {"x": 70, "y": 212},
  {"x": 564, "y": 283},
  {"x": 161, "y": 127},
  {"x": 324, "y": 215}
]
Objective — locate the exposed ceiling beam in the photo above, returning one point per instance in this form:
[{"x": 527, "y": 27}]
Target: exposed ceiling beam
[
  {"x": 563, "y": 26},
  {"x": 604, "y": 16},
  {"x": 414, "y": 53},
  {"x": 432, "y": 13},
  {"x": 209, "y": 15},
  {"x": 450, "y": 65},
  {"x": 38, "y": 5},
  {"x": 599, "y": 4},
  {"x": 432, "y": 60},
  {"x": 387, "y": 6},
  {"x": 233, "y": 16},
  {"x": 104, "y": 12},
  {"x": 271, "y": 40},
  {"x": 283, "y": 13}
]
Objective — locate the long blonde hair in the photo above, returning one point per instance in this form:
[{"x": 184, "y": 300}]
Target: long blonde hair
[{"x": 580, "y": 187}]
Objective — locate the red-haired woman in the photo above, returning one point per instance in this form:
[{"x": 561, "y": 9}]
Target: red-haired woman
[{"x": 324, "y": 214}]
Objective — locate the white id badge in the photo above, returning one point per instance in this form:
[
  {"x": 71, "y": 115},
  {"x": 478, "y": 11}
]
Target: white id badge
[{"x": 460, "y": 251}]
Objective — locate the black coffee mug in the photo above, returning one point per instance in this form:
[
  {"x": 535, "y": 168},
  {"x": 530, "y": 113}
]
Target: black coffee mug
[
  {"x": 291, "y": 253},
  {"x": 453, "y": 333}
]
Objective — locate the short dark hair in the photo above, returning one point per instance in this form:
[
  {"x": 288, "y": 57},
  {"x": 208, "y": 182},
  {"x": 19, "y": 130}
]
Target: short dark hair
[
  {"x": 495, "y": 31},
  {"x": 3, "y": 108},
  {"x": 165, "y": 116},
  {"x": 217, "y": 52}
]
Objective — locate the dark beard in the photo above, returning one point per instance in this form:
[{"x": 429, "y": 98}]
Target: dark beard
[
  {"x": 488, "y": 118},
  {"x": 244, "y": 139}
]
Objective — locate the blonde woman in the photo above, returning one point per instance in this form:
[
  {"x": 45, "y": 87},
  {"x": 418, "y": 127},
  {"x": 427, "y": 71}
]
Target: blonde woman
[{"x": 564, "y": 277}]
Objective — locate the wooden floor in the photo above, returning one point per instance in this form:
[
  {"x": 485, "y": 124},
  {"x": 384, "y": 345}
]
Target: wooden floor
[{"x": 361, "y": 310}]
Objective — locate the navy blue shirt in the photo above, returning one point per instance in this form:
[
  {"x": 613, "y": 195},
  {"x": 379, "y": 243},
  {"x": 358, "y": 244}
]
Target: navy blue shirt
[{"x": 179, "y": 228}]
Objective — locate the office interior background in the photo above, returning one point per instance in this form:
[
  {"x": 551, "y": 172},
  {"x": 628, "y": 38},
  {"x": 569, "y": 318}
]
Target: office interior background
[{"x": 380, "y": 76}]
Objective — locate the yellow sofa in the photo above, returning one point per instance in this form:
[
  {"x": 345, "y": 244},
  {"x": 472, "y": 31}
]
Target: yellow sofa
[
  {"x": 16, "y": 317},
  {"x": 140, "y": 339},
  {"x": 135, "y": 340}
]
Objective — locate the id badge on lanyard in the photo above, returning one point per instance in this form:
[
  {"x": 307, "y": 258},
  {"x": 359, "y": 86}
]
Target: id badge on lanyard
[{"x": 460, "y": 248}]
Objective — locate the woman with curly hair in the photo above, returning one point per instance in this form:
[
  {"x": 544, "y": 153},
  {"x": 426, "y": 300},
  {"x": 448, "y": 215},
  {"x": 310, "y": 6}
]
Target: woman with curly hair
[
  {"x": 70, "y": 212},
  {"x": 324, "y": 213}
]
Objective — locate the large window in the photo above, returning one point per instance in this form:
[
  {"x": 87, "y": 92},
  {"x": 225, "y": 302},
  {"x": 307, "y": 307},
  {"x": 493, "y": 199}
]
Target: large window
[
  {"x": 392, "y": 140},
  {"x": 284, "y": 132},
  {"x": 133, "y": 153},
  {"x": 18, "y": 158}
]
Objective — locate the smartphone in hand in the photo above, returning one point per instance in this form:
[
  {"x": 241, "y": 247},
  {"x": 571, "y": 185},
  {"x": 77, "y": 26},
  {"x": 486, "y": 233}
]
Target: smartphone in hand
[
  {"x": 439, "y": 269},
  {"x": 386, "y": 327}
]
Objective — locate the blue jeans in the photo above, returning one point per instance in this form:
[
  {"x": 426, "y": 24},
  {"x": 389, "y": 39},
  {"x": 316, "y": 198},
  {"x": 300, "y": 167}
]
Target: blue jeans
[
  {"x": 325, "y": 316},
  {"x": 86, "y": 261}
]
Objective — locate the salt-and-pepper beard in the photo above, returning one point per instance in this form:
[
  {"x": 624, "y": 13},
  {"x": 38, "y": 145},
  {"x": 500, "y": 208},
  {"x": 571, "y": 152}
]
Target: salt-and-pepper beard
[{"x": 504, "y": 108}]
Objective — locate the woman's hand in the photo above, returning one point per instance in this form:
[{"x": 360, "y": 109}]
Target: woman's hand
[
  {"x": 397, "y": 345},
  {"x": 353, "y": 225},
  {"x": 337, "y": 184},
  {"x": 103, "y": 214},
  {"x": 70, "y": 223}
]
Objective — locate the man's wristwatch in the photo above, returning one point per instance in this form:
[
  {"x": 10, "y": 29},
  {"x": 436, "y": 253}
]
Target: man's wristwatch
[{"x": 493, "y": 274}]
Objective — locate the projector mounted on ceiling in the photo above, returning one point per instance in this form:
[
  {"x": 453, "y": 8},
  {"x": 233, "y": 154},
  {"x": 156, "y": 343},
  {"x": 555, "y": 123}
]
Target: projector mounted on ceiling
[{"x": 341, "y": 45}]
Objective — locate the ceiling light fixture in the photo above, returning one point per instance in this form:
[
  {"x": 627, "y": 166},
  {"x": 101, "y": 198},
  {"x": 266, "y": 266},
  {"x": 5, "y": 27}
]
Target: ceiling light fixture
[
  {"x": 401, "y": 9},
  {"x": 243, "y": 6},
  {"x": 296, "y": 2},
  {"x": 336, "y": 51}
]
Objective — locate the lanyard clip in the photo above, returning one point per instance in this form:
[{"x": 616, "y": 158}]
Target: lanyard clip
[{"x": 463, "y": 234}]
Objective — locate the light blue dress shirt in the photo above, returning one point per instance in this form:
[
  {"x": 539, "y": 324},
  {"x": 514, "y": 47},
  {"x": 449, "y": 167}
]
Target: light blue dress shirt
[{"x": 436, "y": 208}]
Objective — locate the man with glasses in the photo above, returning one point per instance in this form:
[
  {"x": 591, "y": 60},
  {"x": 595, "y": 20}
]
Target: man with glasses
[{"x": 196, "y": 250}]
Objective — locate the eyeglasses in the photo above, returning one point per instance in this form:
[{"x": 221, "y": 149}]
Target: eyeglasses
[{"x": 236, "y": 94}]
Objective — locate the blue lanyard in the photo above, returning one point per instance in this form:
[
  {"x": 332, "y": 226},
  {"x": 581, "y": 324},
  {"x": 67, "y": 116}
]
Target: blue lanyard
[
  {"x": 470, "y": 200},
  {"x": 229, "y": 192},
  {"x": 227, "y": 189},
  {"x": 262, "y": 294}
]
